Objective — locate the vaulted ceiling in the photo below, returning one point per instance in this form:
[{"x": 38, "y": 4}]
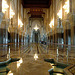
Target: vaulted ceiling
[{"x": 36, "y": 3}]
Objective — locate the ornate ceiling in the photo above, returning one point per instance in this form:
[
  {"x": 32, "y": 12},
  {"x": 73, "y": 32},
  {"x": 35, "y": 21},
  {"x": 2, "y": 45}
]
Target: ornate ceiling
[
  {"x": 36, "y": 3},
  {"x": 36, "y": 7}
]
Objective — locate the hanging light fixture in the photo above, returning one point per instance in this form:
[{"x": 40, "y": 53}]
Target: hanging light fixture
[
  {"x": 36, "y": 28},
  {"x": 66, "y": 6},
  {"x": 19, "y": 62},
  {"x": 11, "y": 13},
  {"x": 60, "y": 13},
  {"x": 20, "y": 24},
  {"x": 51, "y": 23},
  {"x": 10, "y": 73},
  {"x": 4, "y": 6},
  {"x": 35, "y": 56}
]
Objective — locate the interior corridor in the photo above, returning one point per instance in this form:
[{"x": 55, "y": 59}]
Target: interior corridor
[{"x": 37, "y": 37}]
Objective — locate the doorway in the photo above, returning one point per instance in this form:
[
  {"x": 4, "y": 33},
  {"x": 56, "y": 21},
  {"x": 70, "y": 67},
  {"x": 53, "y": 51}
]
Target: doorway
[{"x": 36, "y": 36}]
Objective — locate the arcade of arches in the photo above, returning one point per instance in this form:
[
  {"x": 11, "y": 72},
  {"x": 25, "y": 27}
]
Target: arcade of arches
[{"x": 21, "y": 23}]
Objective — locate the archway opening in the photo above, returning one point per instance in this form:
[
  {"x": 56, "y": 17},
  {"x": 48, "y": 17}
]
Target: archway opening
[{"x": 36, "y": 36}]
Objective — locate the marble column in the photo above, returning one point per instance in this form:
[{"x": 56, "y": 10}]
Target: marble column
[
  {"x": 15, "y": 35},
  {"x": 55, "y": 36},
  {"x": 72, "y": 23},
  {"x": 59, "y": 36},
  {"x": 67, "y": 33},
  {"x": 67, "y": 36},
  {"x": 1, "y": 29},
  {"x": 1, "y": 17},
  {"x": 74, "y": 35},
  {"x": 51, "y": 37},
  {"x": 22, "y": 38},
  {"x": 0, "y": 5},
  {"x": 18, "y": 38}
]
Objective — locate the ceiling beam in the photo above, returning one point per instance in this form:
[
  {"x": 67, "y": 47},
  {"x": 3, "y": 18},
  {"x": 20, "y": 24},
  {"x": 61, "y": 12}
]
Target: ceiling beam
[
  {"x": 36, "y": 6},
  {"x": 36, "y": 3}
]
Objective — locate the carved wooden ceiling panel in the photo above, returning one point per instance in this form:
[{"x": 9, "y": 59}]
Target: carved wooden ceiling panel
[
  {"x": 36, "y": 3},
  {"x": 36, "y": 7}
]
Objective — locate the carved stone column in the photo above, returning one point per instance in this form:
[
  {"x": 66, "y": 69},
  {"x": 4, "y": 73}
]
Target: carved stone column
[
  {"x": 67, "y": 33},
  {"x": 22, "y": 37},
  {"x": 12, "y": 34},
  {"x": 72, "y": 24},
  {"x": 15, "y": 31},
  {"x": 1, "y": 29},
  {"x": 51, "y": 36},
  {"x": 0, "y": 5},
  {"x": 1, "y": 17},
  {"x": 59, "y": 36},
  {"x": 4, "y": 28}
]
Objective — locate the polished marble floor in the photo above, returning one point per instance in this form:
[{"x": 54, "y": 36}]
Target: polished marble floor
[{"x": 33, "y": 55}]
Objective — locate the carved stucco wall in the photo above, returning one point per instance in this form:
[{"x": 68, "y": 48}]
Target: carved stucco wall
[{"x": 40, "y": 24}]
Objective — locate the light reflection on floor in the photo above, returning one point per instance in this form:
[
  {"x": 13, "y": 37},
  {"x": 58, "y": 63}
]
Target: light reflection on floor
[
  {"x": 10, "y": 73},
  {"x": 32, "y": 58},
  {"x": 35, "y": 56}
]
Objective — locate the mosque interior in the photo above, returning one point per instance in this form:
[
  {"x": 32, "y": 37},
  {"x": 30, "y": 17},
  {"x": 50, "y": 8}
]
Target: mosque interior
[{"x": 37, "y": 37}]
